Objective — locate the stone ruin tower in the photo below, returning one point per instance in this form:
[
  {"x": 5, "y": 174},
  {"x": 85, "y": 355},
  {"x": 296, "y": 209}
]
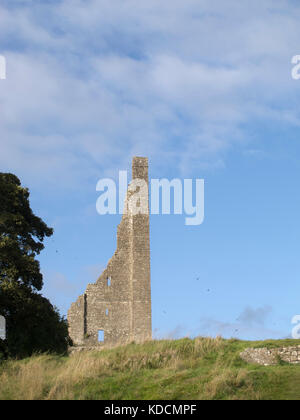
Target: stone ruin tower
[{"x": 117, "y": 308}]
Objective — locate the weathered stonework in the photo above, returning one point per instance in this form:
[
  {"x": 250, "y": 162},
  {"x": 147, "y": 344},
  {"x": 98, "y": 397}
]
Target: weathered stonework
[
  {"x": 119, "y": 303},
  {"x": 267, "y": 357}
]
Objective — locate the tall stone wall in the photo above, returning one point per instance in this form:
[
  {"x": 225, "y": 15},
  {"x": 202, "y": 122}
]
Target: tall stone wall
[{"x": 119, "y": 303}]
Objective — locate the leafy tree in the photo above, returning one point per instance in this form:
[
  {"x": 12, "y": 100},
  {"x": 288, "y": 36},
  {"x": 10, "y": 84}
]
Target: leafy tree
[
  {"x": 21, "y": 235},
  {"x": 33, "y": 324}
]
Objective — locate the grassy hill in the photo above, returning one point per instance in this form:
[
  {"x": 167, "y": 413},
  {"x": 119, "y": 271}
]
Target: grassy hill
[{"x": 202, "y": 368}]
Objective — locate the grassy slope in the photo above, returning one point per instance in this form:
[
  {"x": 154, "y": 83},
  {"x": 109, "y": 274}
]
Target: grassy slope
[{"x": 202, "y": 368}]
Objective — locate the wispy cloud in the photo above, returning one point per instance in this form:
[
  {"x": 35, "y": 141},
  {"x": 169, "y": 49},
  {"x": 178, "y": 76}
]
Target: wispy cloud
[
  {"x": 251, "y": 324},
  {"x": 178, "y": 332},
  {"x": 58, "y": 288},
  {"x": 62, "y": 291},
  {"x": 91, "y": 83},
  {"x": 256, "y": 316}
]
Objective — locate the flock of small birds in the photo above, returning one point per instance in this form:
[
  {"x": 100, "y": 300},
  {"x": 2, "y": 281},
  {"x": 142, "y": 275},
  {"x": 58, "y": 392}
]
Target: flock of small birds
[
  {"x": 198, "y": 278},
  {"x": 208, "y": 290}
]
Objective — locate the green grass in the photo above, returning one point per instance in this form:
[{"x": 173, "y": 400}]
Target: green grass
[{"x": 202, "y": 368}]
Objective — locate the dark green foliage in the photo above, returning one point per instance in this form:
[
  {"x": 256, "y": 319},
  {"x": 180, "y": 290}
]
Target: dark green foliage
[
  {"x": 21, "y": 234},
  {"x": 33, "y": 324}
]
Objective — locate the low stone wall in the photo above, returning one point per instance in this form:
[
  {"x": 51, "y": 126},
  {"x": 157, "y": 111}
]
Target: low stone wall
[
  {"x": 79, "y": 349},
  {"x": 267, "y": 357}
]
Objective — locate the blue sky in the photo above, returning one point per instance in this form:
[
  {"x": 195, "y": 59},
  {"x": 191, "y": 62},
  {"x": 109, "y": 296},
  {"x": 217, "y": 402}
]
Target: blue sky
[{"x": 204, "y": 90}]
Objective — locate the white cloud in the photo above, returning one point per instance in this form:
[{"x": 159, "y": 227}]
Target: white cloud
[{"x": 89, "y": 84}]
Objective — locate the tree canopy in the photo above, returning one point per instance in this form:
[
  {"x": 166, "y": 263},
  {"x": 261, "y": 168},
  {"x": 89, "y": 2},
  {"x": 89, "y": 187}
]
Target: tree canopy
[
  {"x": 21, "y": 235},
  {"x": 33, "y": 324}
]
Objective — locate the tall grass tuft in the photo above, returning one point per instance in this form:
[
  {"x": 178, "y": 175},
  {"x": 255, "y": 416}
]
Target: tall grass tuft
[{"x": 202, "y": 368}]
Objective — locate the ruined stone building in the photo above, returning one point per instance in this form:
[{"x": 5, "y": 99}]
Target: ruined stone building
[{"x": 117, "y": 308}]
